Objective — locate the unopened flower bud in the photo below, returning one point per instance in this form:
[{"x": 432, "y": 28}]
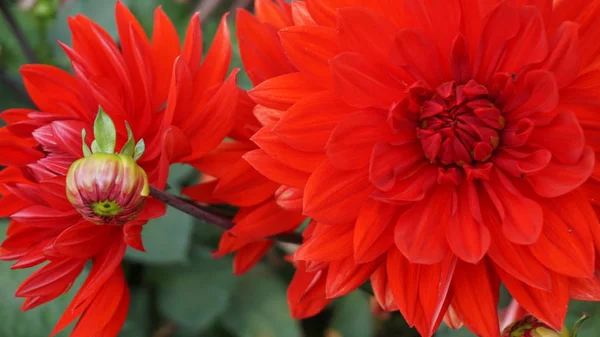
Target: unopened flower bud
[
  {"x": 530, "y": 326},
  {"x": 107, "y": 188},
  {"x": 104, "y": 186}
]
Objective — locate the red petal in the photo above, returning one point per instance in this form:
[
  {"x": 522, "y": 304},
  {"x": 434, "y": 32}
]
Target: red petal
[
  {"x": 564, "y": 59},
  {"x": 306, "y": 130},
  {"x": 529, "y": 46},
  {"x": 419, "y": 232},
  {"x": 216, "y": 62},
  {"x": 352, "y": 141},
  {"x": 567, "y": 141},
  {"x": 335, "y": 196},
  {"x": 306, "y": 293},
  {"x": 522, "y": 217},
  {"x": 549, "y": 306},
  {"x": 497, "y": 29},
  {"x": 275, "y": 170},
  {"x": 242, "y": 185},
  {"x": 266, "y": 220},
  {"x": 475, "y": 299},
  {"x": 373, "y": 37},
  {"x": 250, "y": 255},
  {"x": 403, "y": 280},
  {"x": 304, "y": 161},
  {"x": 558, "y": 179},
  {"x": 381, "y": 289},
  {"x": 260, "y": 49},
  {"x": 81, "y": 241},
  {"x": 373, "y": 231},
  {"x": 467, "y": 235},
  {"x": 332, "y": 242},
  {"x": 51, "y": 280},
  {"x": 345, "y": 275},
  {"x": 276, "y": 13},
  {"x": 192, "y": 44},
  {"x": 416, "y": 53},
  {"x": 289, "y": 198},
  {"x": 283, "y": 91},
  {"x": 363, "y": 83},
  {"x": 310, "y": 48},
  {"x": 564, "y": 245},
  {"x": 165, "y": 48},
  {"x": 585, "y": 289},
  {"x": 434, "y": 290}
]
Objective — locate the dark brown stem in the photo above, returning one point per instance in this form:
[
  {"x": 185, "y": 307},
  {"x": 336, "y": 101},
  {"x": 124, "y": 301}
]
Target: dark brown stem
[
  {"x": 203, "y": 213},
  {"x": 14, "y": 27}
]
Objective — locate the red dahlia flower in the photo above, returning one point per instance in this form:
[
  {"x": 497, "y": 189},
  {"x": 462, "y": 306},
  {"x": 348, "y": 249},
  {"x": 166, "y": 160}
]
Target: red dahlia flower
[
  {"x": 266, "y": 207},
  {"x": 444, "y": 147},
  {"x": 65, "y": 207}
]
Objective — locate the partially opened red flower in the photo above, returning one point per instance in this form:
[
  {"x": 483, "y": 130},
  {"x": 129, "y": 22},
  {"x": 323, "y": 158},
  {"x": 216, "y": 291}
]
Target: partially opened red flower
[
  {"x": 266, "y": 207},
  {"x": 68, "y": 205},
  {"x": 443, "y": 148}
]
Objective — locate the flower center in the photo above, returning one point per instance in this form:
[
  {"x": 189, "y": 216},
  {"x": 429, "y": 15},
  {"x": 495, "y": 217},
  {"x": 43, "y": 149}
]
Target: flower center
[
  {"x": 106, "y": 208},
  {"x": 459, "y": 124}
]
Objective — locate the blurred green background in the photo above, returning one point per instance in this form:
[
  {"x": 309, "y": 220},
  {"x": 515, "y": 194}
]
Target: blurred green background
[{"x": 178, "y": 289}]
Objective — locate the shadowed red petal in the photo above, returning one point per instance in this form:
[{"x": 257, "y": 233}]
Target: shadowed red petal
[
  {"x": 475, "y": 300},
  {"x": 373, "y": 231},
  {"x": 310, "y": 48},
  {"x": 467, "y": 235},
  {"x": 335, "y": 196},
  {"x": 548, "y": 306},
  {"x": 306, "y": 293},
  {"x": 381, "y": 289},
  {"x": 345, "y": 275},
  {"x": 420, "y": 230},
  {"x": 362, "y": 83}
]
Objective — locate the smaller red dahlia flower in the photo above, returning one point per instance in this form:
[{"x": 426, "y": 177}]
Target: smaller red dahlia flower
[
  {"x": 266, "y": 207},
  {"x": 69, "y": 204}
]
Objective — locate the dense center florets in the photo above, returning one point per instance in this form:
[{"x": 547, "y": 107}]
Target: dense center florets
[{"x": 459, "y": 124}]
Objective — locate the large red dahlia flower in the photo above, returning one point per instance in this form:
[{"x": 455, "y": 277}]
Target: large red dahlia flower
[
  {"x": 68, "y": 205},
  {"x": 444, "y": 147},
  {"x": 266, "y": 207}
]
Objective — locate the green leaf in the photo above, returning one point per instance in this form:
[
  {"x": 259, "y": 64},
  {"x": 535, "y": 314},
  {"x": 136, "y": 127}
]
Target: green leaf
[
  {"x": 105, "y": 132},
  {"x": 129, "y": 147},
  {"x": 138, "y": 318},
  {"x": 352, "y": 316},
  {"x": 140, "y": 147},
  {"x": 166, "y": 239},
  {"x": 84, "y": 146},
  {"x": 194, "y": 295},
  {"x": 259, "y": 307},
  {"x": 592, "y": 325},
  {"x": 36, "y": 322}
]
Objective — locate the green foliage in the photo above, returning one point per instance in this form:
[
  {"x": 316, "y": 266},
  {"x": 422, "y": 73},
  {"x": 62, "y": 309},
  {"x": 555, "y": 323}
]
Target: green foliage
[
  {"x": 352, "y": 316},
  {"x": 259, "y": 307},
  {"x": 195, "y": 294}
]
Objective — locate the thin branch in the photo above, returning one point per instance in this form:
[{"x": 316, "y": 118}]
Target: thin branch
[
  {"x": 14, "y": 27},
  {"x": 207, "y": 8},
  {"x": 218, "y": 220}
]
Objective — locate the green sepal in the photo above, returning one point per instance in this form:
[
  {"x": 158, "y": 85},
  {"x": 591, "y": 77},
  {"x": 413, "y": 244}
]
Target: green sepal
[
  {"x": 86, "y": 149},
  {"x": 140, "y": 147},
  {"x": 129, "y": 147},
  {"x": 95, "y": 147},
  {"x": 577, "y": 325},
  {"x": 105, "y": 133}
]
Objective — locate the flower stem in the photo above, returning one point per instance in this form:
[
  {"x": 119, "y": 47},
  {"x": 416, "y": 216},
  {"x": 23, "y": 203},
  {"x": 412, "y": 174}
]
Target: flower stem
[
  {"x": 14, "y": 26},
  {"x": 207, "y": 215}
]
